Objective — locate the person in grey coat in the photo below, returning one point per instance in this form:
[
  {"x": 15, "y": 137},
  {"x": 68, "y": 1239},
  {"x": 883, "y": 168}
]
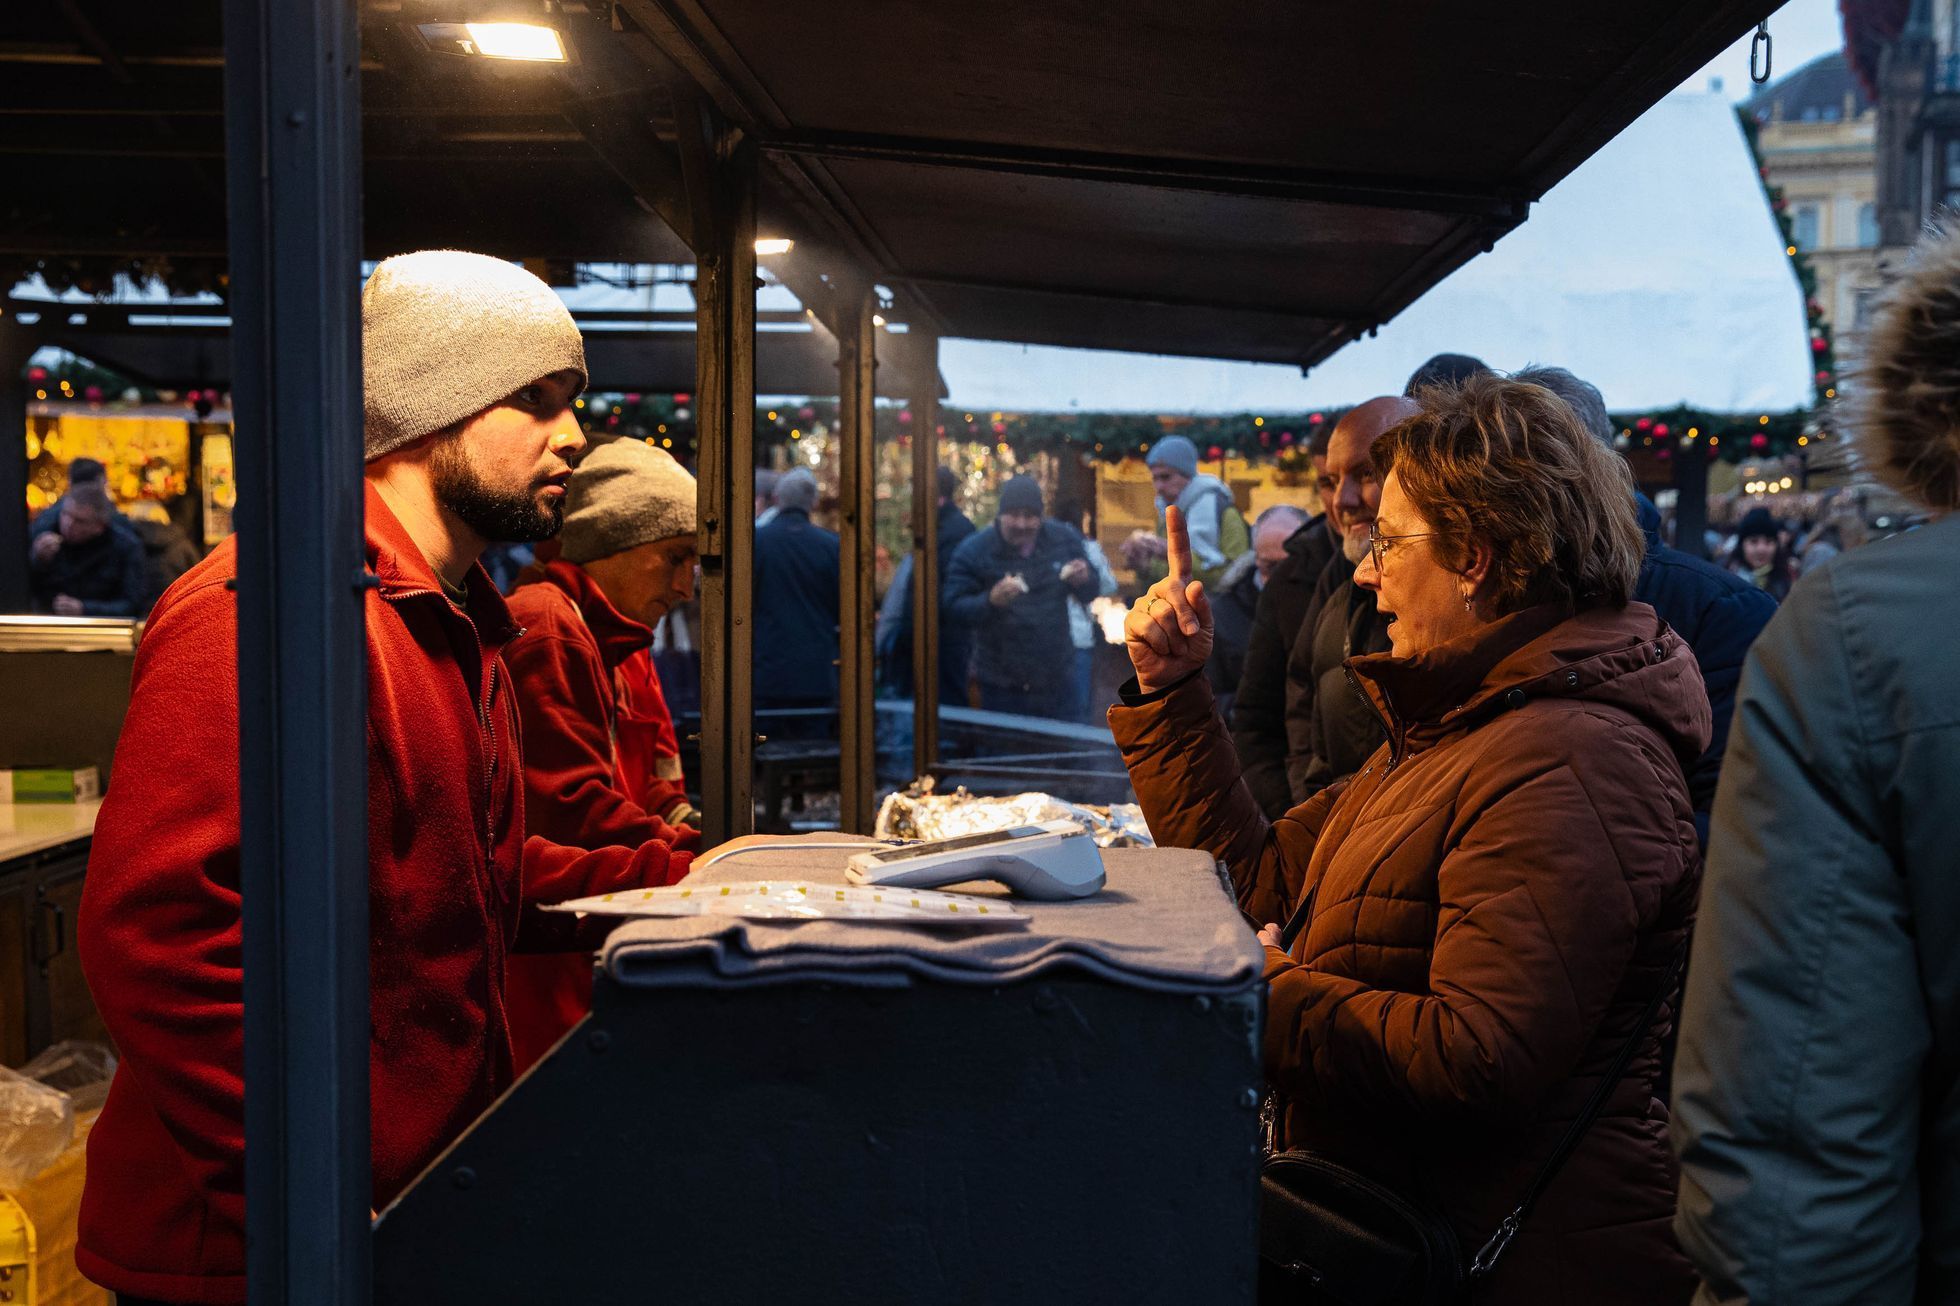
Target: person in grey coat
[{"x": 1817, "y": 1086}]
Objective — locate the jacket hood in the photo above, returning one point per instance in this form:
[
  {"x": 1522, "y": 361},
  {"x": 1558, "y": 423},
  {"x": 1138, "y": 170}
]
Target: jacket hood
[
  {"x": 1906, "y": 390},
  {"x": 1311, "y": 536},
  {"x": 1626, "y": 659},
  {"x": 1236, "y": 572}
]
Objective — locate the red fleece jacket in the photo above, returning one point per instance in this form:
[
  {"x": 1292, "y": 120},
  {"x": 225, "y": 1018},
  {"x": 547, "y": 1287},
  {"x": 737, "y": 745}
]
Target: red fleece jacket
[
  {"x": 449, "y": 869},
  {"x": 586, "y": 746}
]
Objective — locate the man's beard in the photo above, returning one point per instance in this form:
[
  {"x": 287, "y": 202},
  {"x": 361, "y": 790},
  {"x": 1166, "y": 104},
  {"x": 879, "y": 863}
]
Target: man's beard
[
  {"x": 1354, "y": 548},
  {"x": 501, "y": 517}
]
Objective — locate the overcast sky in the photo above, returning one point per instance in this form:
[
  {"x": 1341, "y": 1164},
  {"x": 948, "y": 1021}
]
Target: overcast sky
[{"x": 1799, "y": 32}]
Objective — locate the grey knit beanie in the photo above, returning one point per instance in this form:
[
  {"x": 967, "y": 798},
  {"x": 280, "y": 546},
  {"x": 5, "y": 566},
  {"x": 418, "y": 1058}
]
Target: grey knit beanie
[
  {"x": 445, "y": 335},
  {"x": 623, "y": 494},
  {"x": 1174, "y": 451}
]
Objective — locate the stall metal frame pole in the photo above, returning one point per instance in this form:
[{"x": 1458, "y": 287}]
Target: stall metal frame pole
[
  {"x": 926, "y": 562},
  {"x": 17, "y": 345},
  {"x": 293, "y": 150},
  {"x": 857, "y": 599},
  {"x": 719, "y": 164}
]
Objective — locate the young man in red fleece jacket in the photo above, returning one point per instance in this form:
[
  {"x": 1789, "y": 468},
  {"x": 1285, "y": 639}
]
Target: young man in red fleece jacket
[
  {"x": 471, "y": 366},
  {"x": 601, "y": 764}
]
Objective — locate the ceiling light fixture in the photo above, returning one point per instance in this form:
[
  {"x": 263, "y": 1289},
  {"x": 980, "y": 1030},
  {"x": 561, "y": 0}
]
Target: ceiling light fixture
[
  {"x": 767, "y": 245},
  {"x": 511, "y": 42}
]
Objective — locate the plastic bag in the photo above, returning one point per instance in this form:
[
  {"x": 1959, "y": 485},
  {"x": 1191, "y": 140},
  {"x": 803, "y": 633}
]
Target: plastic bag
[
  {"x": 36, "y": 1123},
  {"x": 81, "y": 1070}
]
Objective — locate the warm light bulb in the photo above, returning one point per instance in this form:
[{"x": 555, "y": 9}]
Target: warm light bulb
[
  {"x": 527, "y": 42},
  {"x": 767, "y": 245},
  {"x": 877, "y": 319}
]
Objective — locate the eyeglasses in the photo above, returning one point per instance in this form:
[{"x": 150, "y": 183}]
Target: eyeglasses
[{"x": 1378, "y": 544}]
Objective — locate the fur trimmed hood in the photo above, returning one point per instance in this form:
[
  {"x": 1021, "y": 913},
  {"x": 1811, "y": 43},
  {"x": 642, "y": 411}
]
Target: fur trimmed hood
[{"x": 1904, "y": 410}]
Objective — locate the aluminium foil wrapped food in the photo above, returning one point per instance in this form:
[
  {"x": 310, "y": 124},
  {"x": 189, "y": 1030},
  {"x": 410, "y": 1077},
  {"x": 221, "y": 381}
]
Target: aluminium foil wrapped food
[{"x": 919, "y": 813}]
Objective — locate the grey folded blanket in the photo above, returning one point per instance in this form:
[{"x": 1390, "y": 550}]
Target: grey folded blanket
[{"x": 1165, "y": 921}]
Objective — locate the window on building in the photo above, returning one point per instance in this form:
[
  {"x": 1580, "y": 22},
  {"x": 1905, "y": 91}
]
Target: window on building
[
  {"x": 1863, "y": 300},
  {"x": 1803, "y": 226},
  {"x": 1867, "y": 226}
]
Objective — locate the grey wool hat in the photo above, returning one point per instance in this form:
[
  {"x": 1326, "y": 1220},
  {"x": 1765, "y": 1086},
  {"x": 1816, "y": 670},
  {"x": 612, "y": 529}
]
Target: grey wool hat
[
  {"x": 1176, "y": 452},
  {"x": 446, "y": 334},
  {"x": 623, "y": 494}
]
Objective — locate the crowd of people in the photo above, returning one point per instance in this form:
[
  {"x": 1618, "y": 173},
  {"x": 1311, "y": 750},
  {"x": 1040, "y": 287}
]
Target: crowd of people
[
  {"x": 1535, "y": 766},
  {"x": 1488, "y": 764}
]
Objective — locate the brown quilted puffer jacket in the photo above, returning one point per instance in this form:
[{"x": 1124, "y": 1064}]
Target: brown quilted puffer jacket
[{"x": 1501, "y": 889}]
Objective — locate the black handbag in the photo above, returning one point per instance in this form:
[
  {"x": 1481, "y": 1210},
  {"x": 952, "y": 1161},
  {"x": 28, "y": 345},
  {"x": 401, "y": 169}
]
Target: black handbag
[{"x": 1331, "y": 1236}]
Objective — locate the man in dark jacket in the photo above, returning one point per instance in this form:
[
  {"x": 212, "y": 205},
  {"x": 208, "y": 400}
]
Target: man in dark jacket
[
  {"x": 1330, "y": 728},
  {"x": 1011, "y": 583},
  {"x": 1719, "y": 614},
  {"x": 1236, "y": 605},
  {"x": 894, "y": 636},
  {"x": 796, "y": 573},
  {"x": 1258, "y": 714},
  {"x": 91, "y": 564},
  {"x": 1817, "y": 1095}
]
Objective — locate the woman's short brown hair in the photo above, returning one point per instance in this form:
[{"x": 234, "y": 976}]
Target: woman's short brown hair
[{"x": 1510, "y": 465}]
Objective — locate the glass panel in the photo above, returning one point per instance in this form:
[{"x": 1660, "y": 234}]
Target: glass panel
[{"x": 798, "y": 459}]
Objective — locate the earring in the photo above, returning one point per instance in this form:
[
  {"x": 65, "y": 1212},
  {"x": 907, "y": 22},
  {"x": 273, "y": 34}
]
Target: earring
[{"x": 1469, "y": 604}]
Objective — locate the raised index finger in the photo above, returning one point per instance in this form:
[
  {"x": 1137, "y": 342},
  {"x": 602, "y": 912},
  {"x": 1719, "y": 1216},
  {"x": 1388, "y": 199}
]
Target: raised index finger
[{"x": 1179, "y": 541}]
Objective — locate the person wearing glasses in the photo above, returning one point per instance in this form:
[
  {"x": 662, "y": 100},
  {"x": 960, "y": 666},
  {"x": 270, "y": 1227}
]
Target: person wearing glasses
[{"x": 1489, "y": 906}]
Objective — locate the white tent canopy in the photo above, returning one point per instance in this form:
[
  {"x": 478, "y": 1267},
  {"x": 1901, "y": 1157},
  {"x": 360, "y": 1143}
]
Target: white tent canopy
[{"x": 1655, "y": 271}]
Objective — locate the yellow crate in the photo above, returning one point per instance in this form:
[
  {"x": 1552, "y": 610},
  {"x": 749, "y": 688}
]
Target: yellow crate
[{"x": 37, "y": 1234}]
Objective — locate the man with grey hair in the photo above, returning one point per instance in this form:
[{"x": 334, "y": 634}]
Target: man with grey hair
[
  {"x": 1235, "y": 603},
  {"x": 91, "y": 563},
  {"x": 796, "y": 608},
  {"x": 1717, "y": 613}
]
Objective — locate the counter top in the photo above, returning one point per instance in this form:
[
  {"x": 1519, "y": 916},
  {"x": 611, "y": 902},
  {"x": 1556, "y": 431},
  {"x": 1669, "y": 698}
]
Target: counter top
[{"x": 27, "y": 828}]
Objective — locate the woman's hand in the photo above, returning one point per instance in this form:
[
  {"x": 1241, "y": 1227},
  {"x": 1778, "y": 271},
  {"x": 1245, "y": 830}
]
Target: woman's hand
[
  {"x": 1269, "y": 934},
  {"x": 1168, "y": 631}
]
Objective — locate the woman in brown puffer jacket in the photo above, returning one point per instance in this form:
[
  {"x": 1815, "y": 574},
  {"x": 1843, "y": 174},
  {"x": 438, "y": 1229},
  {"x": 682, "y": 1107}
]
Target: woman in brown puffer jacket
[{"x": 1500, "y": 891}]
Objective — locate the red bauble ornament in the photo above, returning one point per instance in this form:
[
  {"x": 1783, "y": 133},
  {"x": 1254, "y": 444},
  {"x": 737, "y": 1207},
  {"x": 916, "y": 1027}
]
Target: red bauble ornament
[
  {"x": 1214, "y": 453},
  {"x": 1819, "y": 345},
  {"x": 1660, "y": 430},
  {"x": 1266, "y": 439},
  {"x": 37, "y": 374},
  {"x": 1759, "y": 441},
  {"x": 1286, "y": 437},
  {"x": 905, "y": 417},
  {"x": 93, "y": 394},
  {"x": 1000, "y": 428},
  {"x": 681, "y": 399},
  {"x": 1316, "y": 418},
  {"x": 1645, "y": 423},
  {"x": 939, "y": 430},
  {"x": 807, "y": 413},
  {"x": 1664, "y": 454},
  {"x": 1823, "y": 378},
  {"x": 633, "y": 399}
]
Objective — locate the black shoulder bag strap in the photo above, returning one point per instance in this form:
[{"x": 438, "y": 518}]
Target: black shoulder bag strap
[{"x": 1487, "y": 1256}]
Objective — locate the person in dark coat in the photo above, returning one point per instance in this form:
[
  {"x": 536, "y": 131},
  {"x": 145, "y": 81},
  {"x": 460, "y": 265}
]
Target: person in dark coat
[
  {"x": 1011, "y": 584},
  {"x": 91, "y": 564},
  {"x": 81, "y": 471},
  {"x": 1330, "y": 729},
  {"x": 1761, "y": 557},
  {"x": 1258, "y": 715},
  {"x": 1817, "y": 1093},
  {"x": 1494, "y": 900},
  {"x": 1718, "y": 613},
  {"x": 1239, "y": 591},
  {"x": 1444, "y": 369},
  {"x": 796, "y": 579},
  {"x": 894, "y": 633}
]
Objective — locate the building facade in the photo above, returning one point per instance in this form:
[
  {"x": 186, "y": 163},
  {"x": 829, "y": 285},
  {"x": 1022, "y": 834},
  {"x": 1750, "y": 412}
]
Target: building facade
[{"x": 1817, "y": 131}]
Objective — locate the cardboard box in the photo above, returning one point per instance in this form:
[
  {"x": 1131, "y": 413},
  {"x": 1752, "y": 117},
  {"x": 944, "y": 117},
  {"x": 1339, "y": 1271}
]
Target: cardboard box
[{"x": 47, "y": 784}]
